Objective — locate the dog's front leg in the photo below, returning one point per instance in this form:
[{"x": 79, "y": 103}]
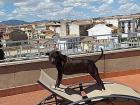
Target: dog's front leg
[{"x": 59, "y": 78}]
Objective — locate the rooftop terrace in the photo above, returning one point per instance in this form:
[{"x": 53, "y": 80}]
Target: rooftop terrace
[{"x": 32, "y": 98}]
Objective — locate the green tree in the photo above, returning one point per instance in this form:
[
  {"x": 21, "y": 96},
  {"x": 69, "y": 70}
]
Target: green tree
[{"x": 18, "y": 35}]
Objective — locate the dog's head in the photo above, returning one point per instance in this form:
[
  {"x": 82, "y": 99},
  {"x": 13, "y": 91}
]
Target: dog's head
[{"x": 55, "y": 57}]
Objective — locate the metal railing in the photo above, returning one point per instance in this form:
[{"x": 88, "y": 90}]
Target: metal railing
[{"x": 34, "y": 49}]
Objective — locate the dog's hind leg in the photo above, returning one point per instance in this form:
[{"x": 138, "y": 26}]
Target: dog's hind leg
[
  {"x": 99, "y": 81},
  {"x": 94, "y": 73}
]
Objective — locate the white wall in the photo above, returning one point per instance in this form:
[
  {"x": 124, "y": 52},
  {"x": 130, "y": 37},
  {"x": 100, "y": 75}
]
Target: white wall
[
  {"x": 99, "y": 29},
  {"x": 112, "y": 21},
  {"x": 55, "y": 29},
  {"x": 104, "y": 37},
  {"x": 138, "y": 34},
  {"x": 51, "y": 28},
  {"x": 23, "y": 29},
  {"x": 74, "y": 29},
  {"x": 63, "y": 28},
  {"x": 90, "y": 33},
  {"x": 124, "y": 35},
  {"x": 126, "y": 28}
]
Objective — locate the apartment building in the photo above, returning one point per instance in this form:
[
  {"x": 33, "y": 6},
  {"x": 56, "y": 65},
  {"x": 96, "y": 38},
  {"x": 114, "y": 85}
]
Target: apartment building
[
  {"x": 113, "y": 21},
  {"x": 65, "y": 28},
  {"x": 3, "y": 31},
  {"x": 79, "y": 28},
  {"x": 53, "y": 26},
  {"x": 128, "y": 25},
  {"x": 28, "y": 29}
]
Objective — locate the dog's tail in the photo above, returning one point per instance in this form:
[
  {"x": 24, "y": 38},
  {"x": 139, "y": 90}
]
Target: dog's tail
[{"x": 99, "y": 56}]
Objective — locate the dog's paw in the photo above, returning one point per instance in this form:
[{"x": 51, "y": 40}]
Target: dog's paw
[{"x": 56, "y": 86}]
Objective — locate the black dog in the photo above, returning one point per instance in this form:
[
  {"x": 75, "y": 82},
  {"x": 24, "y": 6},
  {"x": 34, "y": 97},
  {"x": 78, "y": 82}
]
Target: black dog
[
  {"x": 1, "y": 52},
  {"x": 67, "y": 66}
]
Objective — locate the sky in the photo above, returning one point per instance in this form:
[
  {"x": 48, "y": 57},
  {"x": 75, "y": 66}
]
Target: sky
[{"x": 35, "y": 10}]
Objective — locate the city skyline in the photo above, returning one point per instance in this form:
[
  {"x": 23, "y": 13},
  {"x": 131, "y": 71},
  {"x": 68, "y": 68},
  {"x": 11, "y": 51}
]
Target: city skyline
[{"x": 35, "y": 10}]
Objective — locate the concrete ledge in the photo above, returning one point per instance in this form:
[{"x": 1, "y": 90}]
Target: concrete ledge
[{"x": 113, "y": 53}]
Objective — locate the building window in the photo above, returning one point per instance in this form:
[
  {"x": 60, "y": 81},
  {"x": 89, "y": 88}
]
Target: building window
[
  {"x": 122, "y": 29},
  {"x": 123, "y": 24},
  {"x": 135, "y": 29},
  {"x": 129, "y": 29},
  {"x": 129, "y": 24}
]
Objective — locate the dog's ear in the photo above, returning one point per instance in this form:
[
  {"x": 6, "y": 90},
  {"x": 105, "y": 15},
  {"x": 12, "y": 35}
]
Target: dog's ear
[{"x": 47, "y": 53}]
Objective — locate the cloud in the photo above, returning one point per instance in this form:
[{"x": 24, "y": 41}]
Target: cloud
[
  {"x": 102, "y": 9},
  {"x": 66, "y": 13},
  {"x": 124, "y": 1},
  {"x": 59, "y": 9},
  {"x": 42, "y": 9},
  {"x": 108, "y": 1},
  {"x": 18, "y": 1},
  {"x": 76, "y": 3},
  {"x": 129, "y": 8},
  {"x": 1, "y": 2},
  {"x": 2, "y": 13}
]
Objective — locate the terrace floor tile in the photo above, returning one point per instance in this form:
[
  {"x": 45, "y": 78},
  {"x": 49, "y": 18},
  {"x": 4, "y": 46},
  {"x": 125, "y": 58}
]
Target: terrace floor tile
[{"x": 32, "y": 98}]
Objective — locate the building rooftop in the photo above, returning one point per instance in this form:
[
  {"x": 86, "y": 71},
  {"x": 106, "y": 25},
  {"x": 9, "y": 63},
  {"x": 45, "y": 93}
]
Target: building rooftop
[
  {"x": 83, "y": 22},
  {"x": 32, "y": 98}
]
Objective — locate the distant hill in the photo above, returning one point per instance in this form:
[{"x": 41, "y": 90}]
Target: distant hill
[
  {"x": 41, "y": 21},
  {"x": 136, "y": 14},
  {"x": 14, "y": 22}
]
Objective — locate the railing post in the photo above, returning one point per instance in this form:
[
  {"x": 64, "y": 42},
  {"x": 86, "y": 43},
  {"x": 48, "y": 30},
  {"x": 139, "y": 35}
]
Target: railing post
[
  {"x": 38, "y": 50},
  {"x": 20, "y": 50}
]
